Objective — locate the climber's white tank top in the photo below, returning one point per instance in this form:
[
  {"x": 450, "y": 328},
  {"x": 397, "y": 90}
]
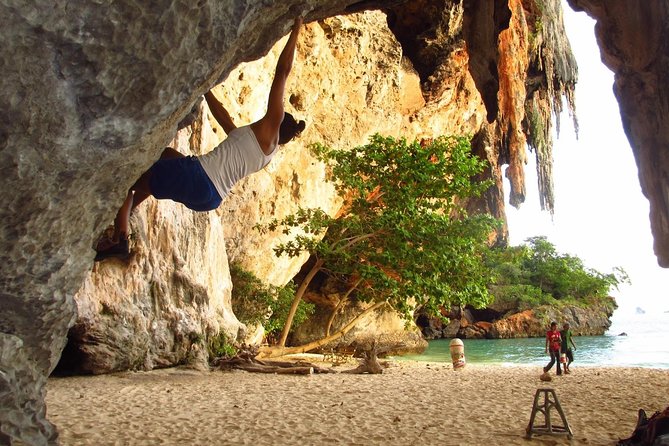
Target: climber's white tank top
[{"x": 239, "y": 155}]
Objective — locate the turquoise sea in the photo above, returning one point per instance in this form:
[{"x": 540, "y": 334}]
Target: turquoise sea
[{"x": 645, "y": 345}]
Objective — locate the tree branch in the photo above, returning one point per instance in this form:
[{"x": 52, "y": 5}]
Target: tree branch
[
  {"x": 340, "y": 304},
  {"x": 281, "y": 350},
  {"x": 298, "y": 297}
]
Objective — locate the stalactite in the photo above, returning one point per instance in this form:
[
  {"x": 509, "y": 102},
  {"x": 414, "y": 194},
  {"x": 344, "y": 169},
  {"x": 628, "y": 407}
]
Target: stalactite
[{"x": 552, "y": 75}]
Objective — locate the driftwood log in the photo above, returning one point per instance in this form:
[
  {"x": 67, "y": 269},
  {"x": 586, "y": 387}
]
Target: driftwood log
[
  {"x": 369, "y": 363},
  {"x": 246, "y": 360}
]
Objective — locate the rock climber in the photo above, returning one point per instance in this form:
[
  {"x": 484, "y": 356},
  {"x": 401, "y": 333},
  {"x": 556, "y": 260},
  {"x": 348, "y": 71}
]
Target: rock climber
[{"x": 200, "y": 183}]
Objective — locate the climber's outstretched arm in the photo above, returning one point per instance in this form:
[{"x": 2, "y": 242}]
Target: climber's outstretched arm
[
  {"x": 220, "y": 113},
  {"x": 267, "y": 129},
  {"x": 274, "y": 113}
]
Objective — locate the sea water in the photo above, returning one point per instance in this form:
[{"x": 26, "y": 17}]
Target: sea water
[{"x": 634, "y": 340}]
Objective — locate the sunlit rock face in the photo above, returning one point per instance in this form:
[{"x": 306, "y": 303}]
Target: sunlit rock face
[{"x": 633, "y": 40}]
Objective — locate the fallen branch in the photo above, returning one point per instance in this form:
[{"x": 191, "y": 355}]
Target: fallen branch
[
  {"x": 277, "y": 370},
  {"x": 275, "y": 351},
  {"x": 246, "y": 360}
]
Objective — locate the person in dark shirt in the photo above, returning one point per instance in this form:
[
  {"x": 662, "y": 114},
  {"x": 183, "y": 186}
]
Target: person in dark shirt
[{"x": 567, "y": 338}]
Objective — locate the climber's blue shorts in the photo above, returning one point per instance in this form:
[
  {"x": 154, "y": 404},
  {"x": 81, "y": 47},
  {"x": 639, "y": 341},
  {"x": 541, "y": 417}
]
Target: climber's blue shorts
[{"x": 184, "y": 180}]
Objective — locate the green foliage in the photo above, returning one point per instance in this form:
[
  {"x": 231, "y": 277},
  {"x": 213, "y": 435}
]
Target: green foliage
[
  {"x": 220, "y": 347},
  {"x": 254, "y": 302},
  {"x": 522, "y": 296},
  {"x": 537, "y": 25},
  {"x": 536, "y": 274},
  {"x": 280, "y": 309},
  {"x": 404, "y": 237}
]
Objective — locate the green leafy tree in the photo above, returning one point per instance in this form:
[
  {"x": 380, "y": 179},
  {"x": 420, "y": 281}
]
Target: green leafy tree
[
  {"x": 536, "y": 273},
  {"x": 255, "y": 302},
  {"x": 402, "y": 238}
]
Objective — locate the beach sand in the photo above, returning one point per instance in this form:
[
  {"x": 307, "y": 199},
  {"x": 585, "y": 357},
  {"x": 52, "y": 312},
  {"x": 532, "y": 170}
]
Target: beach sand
[{"x": 410, "y": 403}]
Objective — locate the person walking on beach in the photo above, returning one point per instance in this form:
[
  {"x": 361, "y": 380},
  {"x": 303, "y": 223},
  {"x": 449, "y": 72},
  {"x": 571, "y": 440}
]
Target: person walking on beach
[
  {"x": 553, "y": 345},
  {"x": 200, "y": 183},
  {"x": 567, "y": 338}
]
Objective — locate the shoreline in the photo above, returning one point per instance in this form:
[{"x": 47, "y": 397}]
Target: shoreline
[
  {"x": 647, "y": 350},
  {"x": 536, "y": 364},
  {"x": 410, "y": 403}
]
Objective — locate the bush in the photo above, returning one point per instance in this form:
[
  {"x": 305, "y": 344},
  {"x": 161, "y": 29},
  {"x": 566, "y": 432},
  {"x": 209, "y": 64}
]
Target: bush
[
  {"x": 536, "y": 274},
  {"x": 220, "y": 347},
  {"x": 254, "y": 302}
]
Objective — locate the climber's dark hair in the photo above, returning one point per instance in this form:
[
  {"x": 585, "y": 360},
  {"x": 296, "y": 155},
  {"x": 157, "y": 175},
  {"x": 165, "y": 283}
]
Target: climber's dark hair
[{"x": 290, "y": 128}]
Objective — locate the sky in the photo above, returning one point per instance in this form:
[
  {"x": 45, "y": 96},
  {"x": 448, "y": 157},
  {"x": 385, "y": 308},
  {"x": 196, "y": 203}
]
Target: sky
[{"x": 601, "y": 216}]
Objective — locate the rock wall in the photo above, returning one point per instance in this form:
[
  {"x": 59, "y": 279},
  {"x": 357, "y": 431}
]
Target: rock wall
[{"x": 91, "y": 93}]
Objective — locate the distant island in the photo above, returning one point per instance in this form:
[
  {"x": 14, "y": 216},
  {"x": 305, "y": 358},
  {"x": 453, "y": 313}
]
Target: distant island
[{"x": 534, "y": 285}]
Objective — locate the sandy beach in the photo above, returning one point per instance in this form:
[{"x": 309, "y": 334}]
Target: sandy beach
[{"x": 410, "y": 403}]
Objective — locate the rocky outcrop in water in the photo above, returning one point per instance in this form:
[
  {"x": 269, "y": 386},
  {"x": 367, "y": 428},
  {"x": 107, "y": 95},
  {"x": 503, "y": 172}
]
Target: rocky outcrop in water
[{"x": 509, "y": 322}]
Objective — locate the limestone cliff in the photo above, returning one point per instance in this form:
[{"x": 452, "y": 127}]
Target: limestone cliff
[{"x": 92, "y": 92}]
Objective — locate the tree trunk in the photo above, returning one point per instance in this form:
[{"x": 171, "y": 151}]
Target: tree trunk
[
  {"x": 281, "y": 350},
  {"x": 296, "y": 301},
  {"x": 245, "y": 360},
  {"x": 296, "y": 370},
  {"x": 340, "y": 304},
  {"x": 370, "y": 362}
]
